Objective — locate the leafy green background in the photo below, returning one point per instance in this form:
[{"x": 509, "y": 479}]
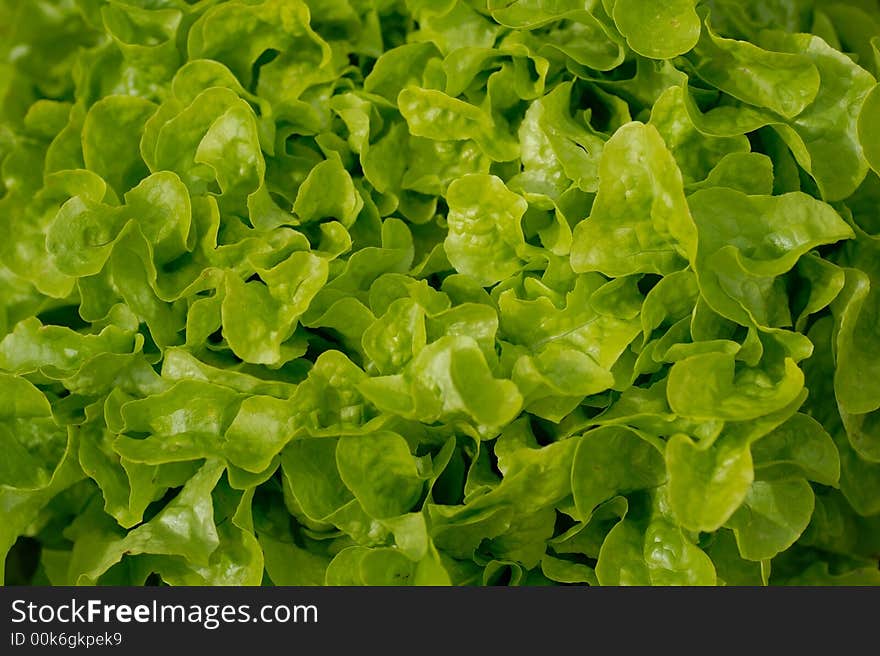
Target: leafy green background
[{"x": 369, "y": 292}]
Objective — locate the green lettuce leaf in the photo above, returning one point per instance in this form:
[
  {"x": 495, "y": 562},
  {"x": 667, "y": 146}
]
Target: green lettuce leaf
[{"x": 439, "y": 292}]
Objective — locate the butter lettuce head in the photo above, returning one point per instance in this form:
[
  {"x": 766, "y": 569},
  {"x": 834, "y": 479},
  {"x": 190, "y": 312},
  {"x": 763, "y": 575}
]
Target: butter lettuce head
[{"x": 471, "y": 292}]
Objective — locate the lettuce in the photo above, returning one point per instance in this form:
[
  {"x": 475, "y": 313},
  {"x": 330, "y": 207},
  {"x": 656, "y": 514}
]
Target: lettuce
[{"x": 465, "y": 292}]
